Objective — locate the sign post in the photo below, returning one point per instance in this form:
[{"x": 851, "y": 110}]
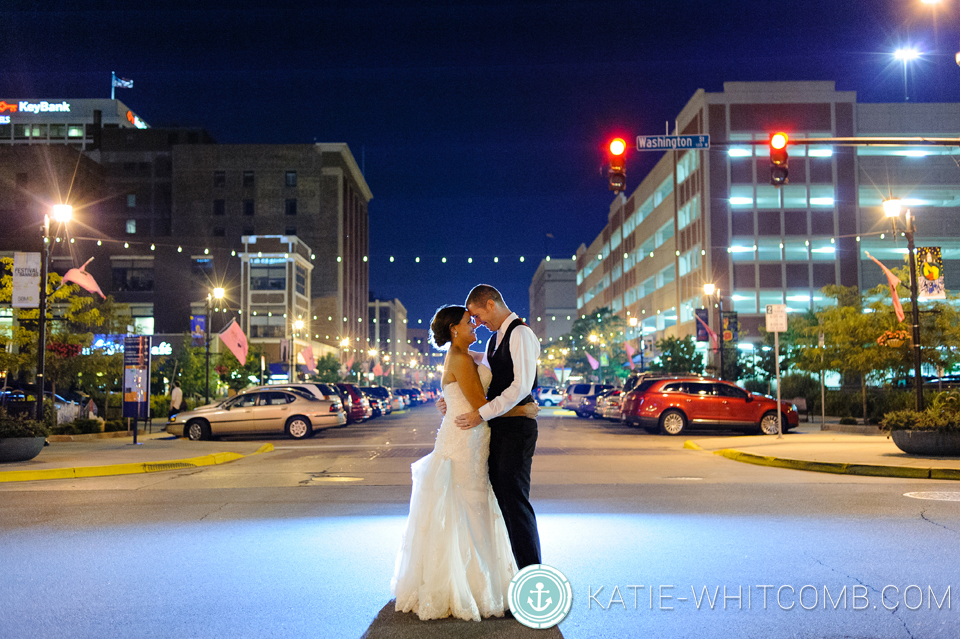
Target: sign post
[
  {"x": 776, "y": 324},
  {"x": 136, "y": 379}
]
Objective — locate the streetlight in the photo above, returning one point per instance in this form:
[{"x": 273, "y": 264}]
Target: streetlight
[
  {"x": 906, "y": 55},
  {"x": 217, "y": 294},
  {"x": 709, "y": 289},
  {"x": 891, "y": 208},
  {"x": 61, "y": 214}
]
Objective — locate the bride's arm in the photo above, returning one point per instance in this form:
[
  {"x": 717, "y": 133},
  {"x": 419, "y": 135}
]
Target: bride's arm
[{"x": 465, "y": 372}]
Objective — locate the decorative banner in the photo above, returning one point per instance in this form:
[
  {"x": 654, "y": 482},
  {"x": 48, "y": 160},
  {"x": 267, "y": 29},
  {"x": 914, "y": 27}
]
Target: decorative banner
[
  {"x": 731, "y": 327},
  {"x": 594, "y": 364},
  {"x": 198, "y": 328},
  {"x": 630, "y": 351},
  {"x": 893, "y": 281},
  {"x": 26, "y": 280},
  {"x": 308, "y": 360},
  {"x": 233, "y": 338},
  {"x": 930, "y": 273},
  {"x": 703, "y": 324},
  {"x": 84, "y": 280},
  {"x": 136, "y": 376},
  {"x": 378, "y": 370}
]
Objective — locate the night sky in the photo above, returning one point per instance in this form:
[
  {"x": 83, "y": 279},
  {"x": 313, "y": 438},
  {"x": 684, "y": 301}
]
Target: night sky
[{"x": 480, "y": 126}]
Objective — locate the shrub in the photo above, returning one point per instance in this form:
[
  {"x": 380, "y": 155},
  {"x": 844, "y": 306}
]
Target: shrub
[
  {"x": 18, "y": 426},
  {"x": 756, "y": 386},
  {"x": 942, "y": 414},
  {"x": 86, "y": 426},
  {"x": 848, "y": 421},
  {"x": 114, "y": 425},
  {"x": 65, "y": 429}
]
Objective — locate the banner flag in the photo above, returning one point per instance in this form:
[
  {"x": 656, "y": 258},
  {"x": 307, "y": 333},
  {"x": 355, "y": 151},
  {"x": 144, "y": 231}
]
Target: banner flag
[
  {"x": 234, "y": 339},
  {"x": 930, "y": 273},
  {"x": 701, "y": 323},
  {"x": 26, "y": 280},
  {"x": 893, "y": 281},
  {"x": 594, "y": 364},
  {"x": 123, "y": 83},
  {"x": 630, "y": 351},
  {"x": 378, "y": 370},
  {"x": 731, "y": 326},
  {"x": 307, "y": 355},
  {"x": 84, "y": 280},
  {"x": 349, "y": 365}
]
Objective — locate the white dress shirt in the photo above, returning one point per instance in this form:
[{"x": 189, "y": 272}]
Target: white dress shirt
[{"x": 525, "y": 351}]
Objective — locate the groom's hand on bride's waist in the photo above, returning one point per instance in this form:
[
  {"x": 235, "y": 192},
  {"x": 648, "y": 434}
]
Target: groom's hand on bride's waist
[{"x": 469, "y": 420}]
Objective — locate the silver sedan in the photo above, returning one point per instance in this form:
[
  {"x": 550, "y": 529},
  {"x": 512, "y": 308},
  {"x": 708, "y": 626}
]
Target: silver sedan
[{"x": 297, "y": 415}]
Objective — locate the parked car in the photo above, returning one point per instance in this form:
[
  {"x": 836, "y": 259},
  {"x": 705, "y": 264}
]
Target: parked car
[
  {"x": 550, "y": 396},
  {"x": 674, "y": 405},
  {"x": 383, "y": 395},
  {"x": 294, "y": 412},
  {"x": 376, "y": 407},
  {"x": 355, "y": 402},
  {"x": 22, "y": 399},
  {"x": 601, "y": 402},
  {"x": 415, "y": 395},
  {"x": 611, "y": 405},
  {"x": 318, "y": 390},
  {"x": 575, "y": 392},
  {"x": 588, "y": 404}
]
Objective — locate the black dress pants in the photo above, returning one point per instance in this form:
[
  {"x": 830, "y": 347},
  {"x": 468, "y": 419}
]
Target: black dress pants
[{"x": 513, "y": 441}]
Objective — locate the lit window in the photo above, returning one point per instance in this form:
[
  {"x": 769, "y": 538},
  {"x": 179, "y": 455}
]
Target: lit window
[
  {"x": 131, "y": 200},
  {"x": 291, "y": 178},
  {"x": 131, "y": 227}
]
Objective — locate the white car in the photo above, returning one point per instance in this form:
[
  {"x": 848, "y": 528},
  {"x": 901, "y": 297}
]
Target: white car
[{"x": 550, "y": 397}]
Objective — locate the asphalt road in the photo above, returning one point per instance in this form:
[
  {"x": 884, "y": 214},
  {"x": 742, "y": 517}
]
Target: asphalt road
[{"x": 656, "y": 541}]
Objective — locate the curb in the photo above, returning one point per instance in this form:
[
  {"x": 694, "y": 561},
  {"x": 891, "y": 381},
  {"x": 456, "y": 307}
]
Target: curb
[
  {"x": 837, "y": 468},
  {"x": 126, "y": 469}
]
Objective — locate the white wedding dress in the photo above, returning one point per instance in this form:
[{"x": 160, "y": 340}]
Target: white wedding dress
[{"x": 455, "y": 558}]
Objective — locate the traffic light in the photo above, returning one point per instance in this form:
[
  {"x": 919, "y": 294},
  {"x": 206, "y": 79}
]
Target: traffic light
[
  {"x": 618, "y": 167},
  {"x": 779, "y": 169}
]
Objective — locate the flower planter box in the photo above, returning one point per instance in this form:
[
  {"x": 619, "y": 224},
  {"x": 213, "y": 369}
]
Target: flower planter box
[
  {"x": 16, "y": 449},
  {"x": 932, "y": 443}
]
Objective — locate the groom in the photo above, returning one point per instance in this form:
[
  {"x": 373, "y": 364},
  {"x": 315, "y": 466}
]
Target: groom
[{"x": 512, "y": 356}]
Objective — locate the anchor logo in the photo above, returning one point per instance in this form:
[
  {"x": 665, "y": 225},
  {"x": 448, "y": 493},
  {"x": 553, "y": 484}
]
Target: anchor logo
[
  {"x": 539, "y": 596},
  {"x": 540, "y": 607}
]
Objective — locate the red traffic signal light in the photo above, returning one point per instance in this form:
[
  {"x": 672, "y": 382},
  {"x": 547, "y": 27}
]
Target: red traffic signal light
[
  {"x": 779, "y": 169},
  {"x": 618, "y": 166}
]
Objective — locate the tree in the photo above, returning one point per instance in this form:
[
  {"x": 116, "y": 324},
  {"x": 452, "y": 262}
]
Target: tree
[
  {"x": 328, "y": 369},
  {"x": 235, "y": 376},
  {"x": 607, "y": 330},
  {"x": 678, "y": 355}
]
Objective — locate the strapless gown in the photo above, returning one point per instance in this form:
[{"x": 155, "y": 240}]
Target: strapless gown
[{"x": 455, "y": 558}]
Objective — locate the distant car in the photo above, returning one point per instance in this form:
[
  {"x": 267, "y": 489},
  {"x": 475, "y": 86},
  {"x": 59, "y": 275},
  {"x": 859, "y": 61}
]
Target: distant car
[
  {"x": 575, "y": 392},
  {"x": 611, "y": 405},
  {"x": 550, "y": 396},
  {"x": 22, "y": 400},
  {"x": 318, "y": 390},
  {"x": 356, "y": 403},
  {"x": 298, "y": 414},
  {"x": 601, "y": 403},
  {"x": 383, "y": 395},
  {"x": 415, "y": 395},
  {"x": 673, "y": 406}
]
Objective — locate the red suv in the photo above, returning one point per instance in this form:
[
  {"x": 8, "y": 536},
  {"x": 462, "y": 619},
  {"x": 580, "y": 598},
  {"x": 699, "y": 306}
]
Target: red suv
[
  {"x": 674, "y": 405},
  {"x": 355, "y": 403}
]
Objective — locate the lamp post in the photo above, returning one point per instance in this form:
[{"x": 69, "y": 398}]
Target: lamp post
[
  {"x": 891, "y": 208},
  {"x": 709, "y": 290},
  {"x": 906, "y": 55},
  {"x": 217, "y": 294},
  {"x": 61, "y": 215}
]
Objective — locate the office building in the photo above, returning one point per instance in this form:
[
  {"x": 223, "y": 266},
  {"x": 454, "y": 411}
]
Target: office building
[{"x": 553, "y": 299}]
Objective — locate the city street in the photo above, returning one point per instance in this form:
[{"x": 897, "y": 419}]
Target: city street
[{"x": 656, "y": 540}]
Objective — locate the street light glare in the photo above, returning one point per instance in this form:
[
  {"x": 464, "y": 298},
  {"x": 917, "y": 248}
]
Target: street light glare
[
  {"x": 218, "y": 293},
  {"x": 709, "y": 289},
  {"x": 906, "y": 54},
  {"x": 62, "y": 212},
  {"x": 891, "y": 207}
]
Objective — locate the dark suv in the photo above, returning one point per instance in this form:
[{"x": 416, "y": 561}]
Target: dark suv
[{"x": 674, "y": 405}]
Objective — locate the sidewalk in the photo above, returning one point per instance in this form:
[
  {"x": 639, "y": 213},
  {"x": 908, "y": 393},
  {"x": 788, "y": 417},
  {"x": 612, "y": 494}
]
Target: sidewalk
[
  {"x": 831, "y": 451},
  {"x": 118, "y": 456}
]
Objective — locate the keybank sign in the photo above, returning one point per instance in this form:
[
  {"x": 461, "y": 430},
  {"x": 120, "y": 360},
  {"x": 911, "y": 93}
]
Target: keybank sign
[{"x": 43, "y": 107}]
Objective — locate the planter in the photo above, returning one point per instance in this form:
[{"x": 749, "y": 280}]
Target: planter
[
  {"x": 932, "y": 443},
  {"x": 894, "y": 343},
  {"x": 17, "y": 449}
]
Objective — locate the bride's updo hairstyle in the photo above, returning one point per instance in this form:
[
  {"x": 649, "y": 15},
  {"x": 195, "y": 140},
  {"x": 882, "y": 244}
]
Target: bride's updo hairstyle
[{"x": 441, "y": 326}]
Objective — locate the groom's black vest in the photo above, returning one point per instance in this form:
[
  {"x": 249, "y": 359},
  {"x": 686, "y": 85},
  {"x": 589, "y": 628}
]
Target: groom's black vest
[{"x": 501, "y": 365}]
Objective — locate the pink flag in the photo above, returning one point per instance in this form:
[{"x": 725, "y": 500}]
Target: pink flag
[
  {"x": 391, "y": 369},
  {"x": 84, "y": 280},
  {"x": 377, "y": 369},
  {"x": 713, "y": 335},
  {"x": 893, "y": 281},
  {"x": 349, "y": 364},
  {"x": 630, "y": 351},
  {"x": 594, "y": 364},
  {"x": 234, "y": 339},
  {"x": 307, "y": 355}
]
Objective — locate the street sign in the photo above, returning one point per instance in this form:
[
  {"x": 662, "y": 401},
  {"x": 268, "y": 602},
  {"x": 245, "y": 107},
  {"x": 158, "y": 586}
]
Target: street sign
[
  {"x": 776, "y": 318},
  {"x": 136, "y": 376},
  {"x": 671, "y": 142}
]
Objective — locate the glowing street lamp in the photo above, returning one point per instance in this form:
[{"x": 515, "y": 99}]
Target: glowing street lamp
[
  {"x": 906, "y": 55},
  {"x": 216, "y": 294},
  {"x": 61, "y": 214}
]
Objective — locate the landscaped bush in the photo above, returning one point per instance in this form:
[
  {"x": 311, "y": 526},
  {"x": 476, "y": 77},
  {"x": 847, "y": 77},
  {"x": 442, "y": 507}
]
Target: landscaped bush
[
  {"x": 756, "y": 386},
  {"x": 65, "y": 429},
  {"x": 18, "y": 426},
  {"x": 86, "y": 426},
  {"x": 942, "y": 414},
  {"x": 847, "y": 421}
]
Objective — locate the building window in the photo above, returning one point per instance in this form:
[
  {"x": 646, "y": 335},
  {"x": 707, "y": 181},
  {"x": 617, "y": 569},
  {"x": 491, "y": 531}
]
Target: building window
[
  {"x": 132, "y": 275},
  {"x": 74, "y": 130},
  {"x": 290, "y": 230},
  {"x": 58, "y": 131},
  {"x": 248, "y": 208},
  {"x": 219, "y": 207},
  {"x": 290, "y": 206},
  {"x": 219, "y": 178},
  {"x": 131, "y": 200},
  {"x": 202, "y": 269},
  {"x": 291, "y": 178},
  {"x": 268, "y": 278},
  {"x": 219, "y": 231},
  {"x": 248, "y": 179},
  {"x": 131, "y": 227},
  {"x": 301, "y": 275}
]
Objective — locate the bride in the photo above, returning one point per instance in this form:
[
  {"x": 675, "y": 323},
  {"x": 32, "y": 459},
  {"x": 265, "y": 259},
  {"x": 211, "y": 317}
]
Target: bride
[{"x": 455, "y": 558}]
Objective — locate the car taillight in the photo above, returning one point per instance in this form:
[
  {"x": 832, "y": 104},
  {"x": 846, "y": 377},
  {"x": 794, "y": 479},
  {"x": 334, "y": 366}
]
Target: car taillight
[{"x": 334, "y": 408}]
